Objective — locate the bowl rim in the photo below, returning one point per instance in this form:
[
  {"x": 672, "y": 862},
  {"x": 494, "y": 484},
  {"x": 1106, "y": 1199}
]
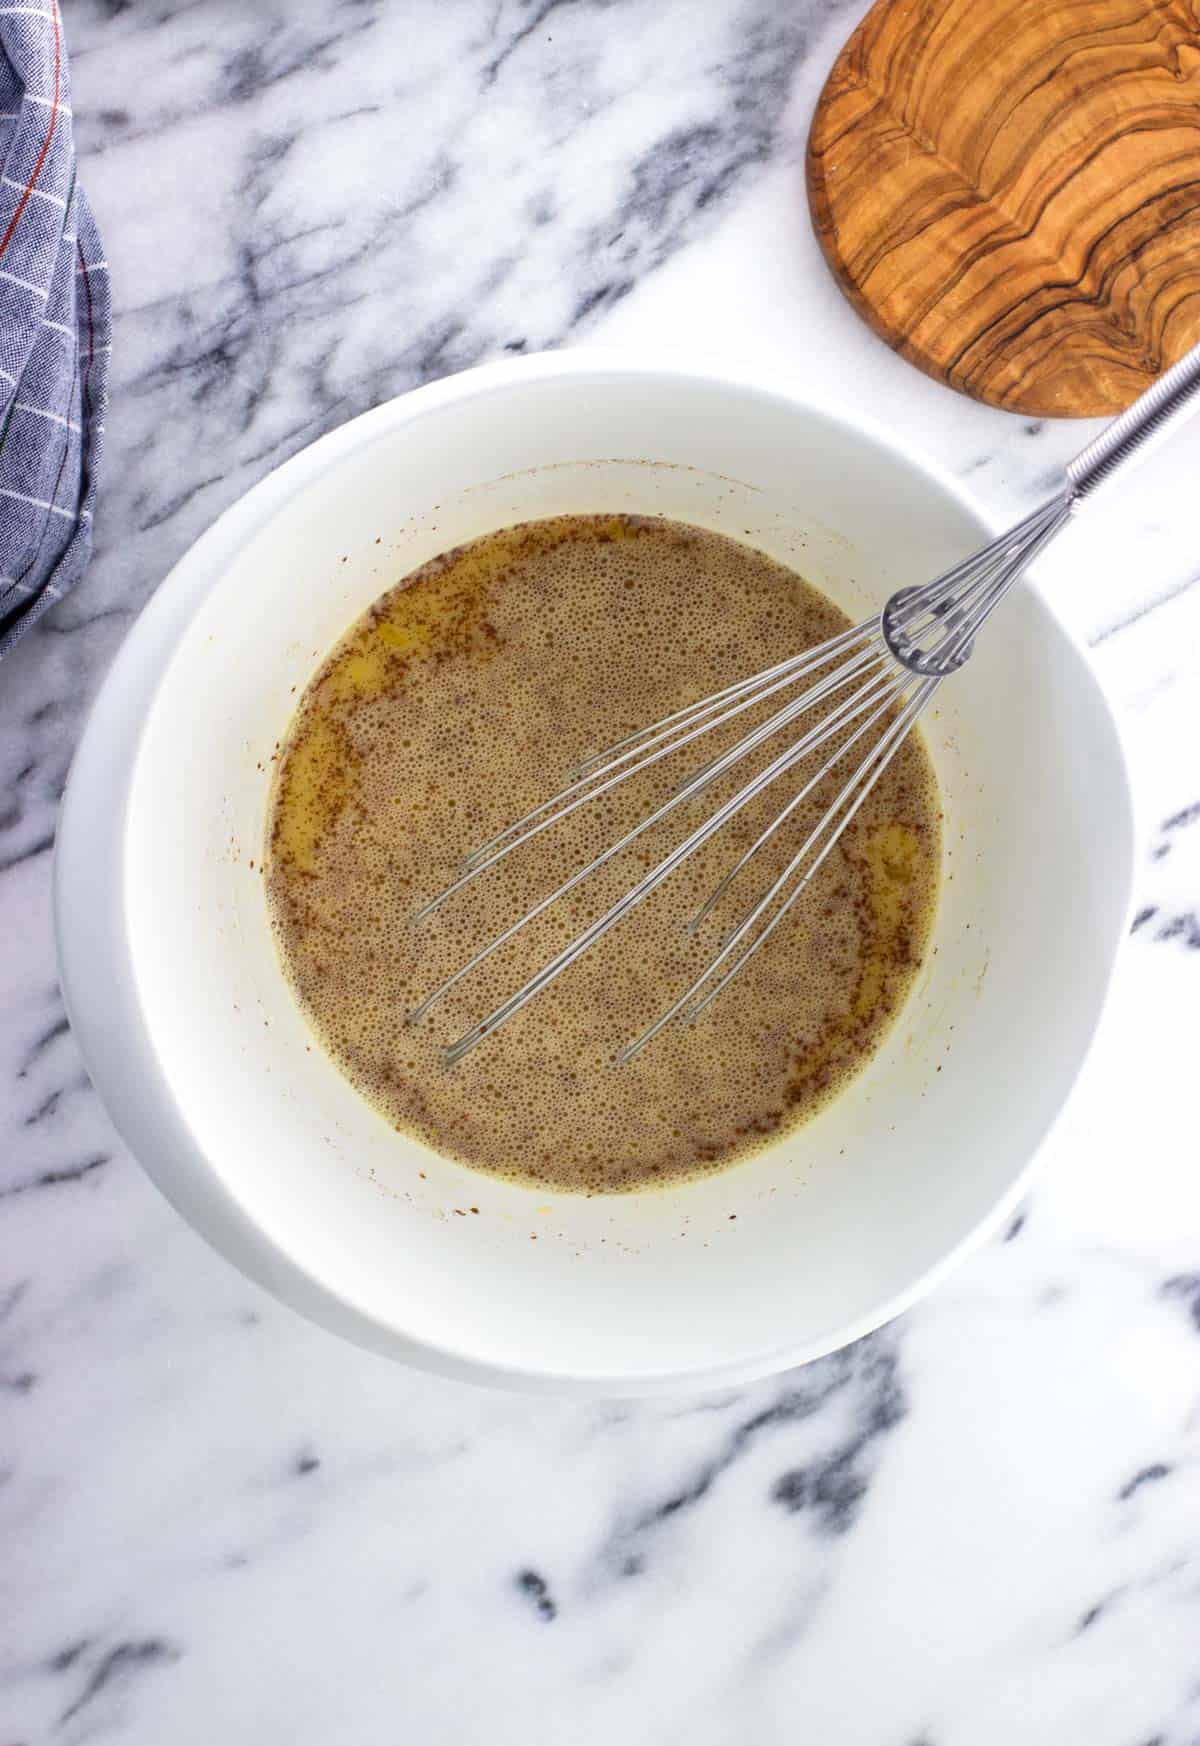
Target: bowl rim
[{"x": 93, "y": 944}]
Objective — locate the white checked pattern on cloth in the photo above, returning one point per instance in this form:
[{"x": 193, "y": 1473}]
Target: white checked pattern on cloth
[{"x": 55, "y": 327}]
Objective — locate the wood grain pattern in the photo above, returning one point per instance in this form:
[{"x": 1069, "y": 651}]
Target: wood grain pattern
[{"x": 1009, "y": 192}]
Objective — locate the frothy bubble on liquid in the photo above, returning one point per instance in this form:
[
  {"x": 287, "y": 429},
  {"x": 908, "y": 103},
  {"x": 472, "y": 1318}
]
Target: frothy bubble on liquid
[{"x": 464, "y": 697}]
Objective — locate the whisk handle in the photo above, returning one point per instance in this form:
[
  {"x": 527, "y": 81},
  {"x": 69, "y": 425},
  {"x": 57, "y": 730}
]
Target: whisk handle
[{"x": 1154, "y": 415}]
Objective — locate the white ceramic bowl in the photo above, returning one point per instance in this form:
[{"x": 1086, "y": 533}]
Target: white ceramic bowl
[{"x": 201, "y": 1056}]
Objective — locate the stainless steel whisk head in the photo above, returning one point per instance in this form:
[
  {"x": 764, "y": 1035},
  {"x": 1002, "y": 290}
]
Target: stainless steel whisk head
[{"x": 864, "y": 689}]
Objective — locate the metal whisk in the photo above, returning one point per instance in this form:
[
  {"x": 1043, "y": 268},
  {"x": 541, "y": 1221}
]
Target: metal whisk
[{"x": 879, "y": 676}]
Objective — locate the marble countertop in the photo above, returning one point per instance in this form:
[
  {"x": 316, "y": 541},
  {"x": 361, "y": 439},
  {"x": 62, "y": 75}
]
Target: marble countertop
[{"x": 217, "y": 1523}]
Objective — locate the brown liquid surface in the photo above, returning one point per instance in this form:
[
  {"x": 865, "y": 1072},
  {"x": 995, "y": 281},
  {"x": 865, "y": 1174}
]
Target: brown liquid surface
[{"x": 462, "y": 699}]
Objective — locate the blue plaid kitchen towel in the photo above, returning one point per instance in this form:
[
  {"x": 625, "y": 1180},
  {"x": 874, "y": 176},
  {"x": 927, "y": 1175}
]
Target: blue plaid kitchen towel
[{"x": 55, "y": 327}]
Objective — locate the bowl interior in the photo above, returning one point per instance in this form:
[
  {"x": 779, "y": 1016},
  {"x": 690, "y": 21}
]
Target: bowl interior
[{"x": 834, "y": 1225}]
